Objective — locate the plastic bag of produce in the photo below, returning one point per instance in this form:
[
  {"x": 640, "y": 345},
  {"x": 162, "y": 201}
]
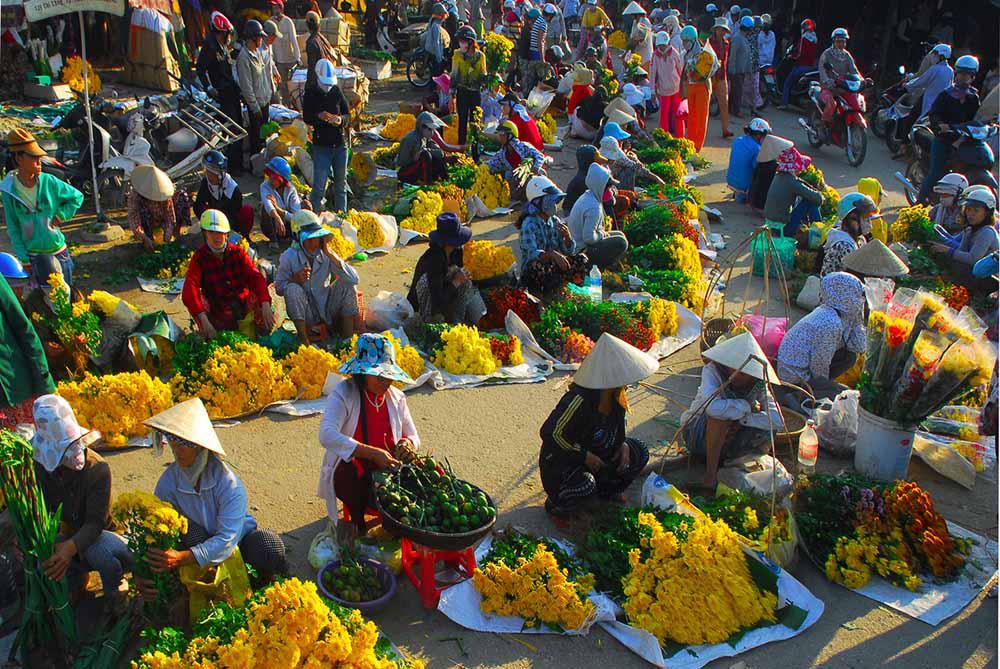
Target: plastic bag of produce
[
  {"x": 837, "y": 423},
  {"x": 323, "y": 548},
  {"x": 387, "y": 311},
  {"x": 227, "y": 582}
]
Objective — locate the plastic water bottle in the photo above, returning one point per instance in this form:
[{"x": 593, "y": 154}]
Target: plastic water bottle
[
  {"x": 808, "y": 448},
  {"x": 594, "y": 286}
]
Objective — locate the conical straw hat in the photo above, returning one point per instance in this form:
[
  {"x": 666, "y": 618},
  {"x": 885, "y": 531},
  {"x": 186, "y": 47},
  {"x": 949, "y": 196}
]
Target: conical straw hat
[
  {"x": 875, "y": 259},
  {"x": 189, "y": 421},
  {"x": 612, "y": 364},
  {"x": 772, "y": 147},
  {"x": 734, "y": 353},
  {"x": 620, "y": 104},
  {"x": 152, "y": 183}
]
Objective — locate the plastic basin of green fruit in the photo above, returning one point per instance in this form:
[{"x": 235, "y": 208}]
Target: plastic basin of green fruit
[
  {"x": 386, "y": 579},
  {"x": 443, "y": 541}
]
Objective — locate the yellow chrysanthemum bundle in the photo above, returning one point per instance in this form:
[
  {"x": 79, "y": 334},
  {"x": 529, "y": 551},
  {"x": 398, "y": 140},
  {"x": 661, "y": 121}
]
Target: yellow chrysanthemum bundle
[
  {"x": 537, "y": 590},
  {"x": 685, "y": 257},
  {"x": 116, "y": 404},
  {"x": 399, "y": 127},
  {"x": 484, "y": 260},
  {"x": 236, "y": 380},
  {"x": 72, "y": 75},
  {"x": 453, "y": 200},
  {"x": 386, "y": 155},
  {"x": 363, "y": 165},
  {"x": 492, "y": 189},
  {"x": 290, "y": 626},
  {"x": 340, "y": 245},
  {"x": 695, "y": 592},
  {"x": 423, "y": 212},
  {"x": 181, "y": 272},
  {"x": 308, "y": 368},
  {"x": 450, "y": 131},
  {"x": 407, "y": 357},
  {"x": 660, "y": 316},
  {"x": 547, "y": 128},
  {"x": 370, "y": 233},
  {"x": 617, "y": 40},
  {"x": 142, "y": 509},
  {"x": 902, "y": 228},
  {"x": 465, "y": 351},
  {"x": 104, "y": 303}
]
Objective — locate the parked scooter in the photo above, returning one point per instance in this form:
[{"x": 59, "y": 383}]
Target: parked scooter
[
  {"x": 973, "y": 154},
  {"x": 769, "y": 86},
  {"x": 799, "y": 93},
  {"x": 848, "y": 129}
]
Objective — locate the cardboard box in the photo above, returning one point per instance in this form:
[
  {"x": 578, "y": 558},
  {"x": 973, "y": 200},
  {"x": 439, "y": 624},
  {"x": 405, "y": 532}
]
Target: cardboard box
[
  {"x": 52, "y": 93},
  {"x": 375, "y": 69}
]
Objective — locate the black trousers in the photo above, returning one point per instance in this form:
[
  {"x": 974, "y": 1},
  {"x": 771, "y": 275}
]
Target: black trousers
[
  {"x": 261, "y": 549},
  {"x": 232, "y": 106},
  {"x": 466, "y": 100}
]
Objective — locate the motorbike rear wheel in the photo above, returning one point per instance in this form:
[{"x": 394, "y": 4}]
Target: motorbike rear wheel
[
  {"x": 915, "y": 174},
  {"x": 856, "y": 145},
  {"x": 114, "y": 188},
  {"x": 418, "y": 71},
  {"x": 892, "y": 141},
  {"x": 879, "y": 123},
  {"x": 812, "y": 132}
]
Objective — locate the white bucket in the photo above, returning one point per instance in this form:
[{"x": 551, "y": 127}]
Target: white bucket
[{"x": 883, "y": 448}]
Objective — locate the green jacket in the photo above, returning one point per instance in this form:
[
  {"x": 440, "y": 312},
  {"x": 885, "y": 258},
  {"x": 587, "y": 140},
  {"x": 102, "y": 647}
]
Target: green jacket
[
  {"x": 24, "y": 371},
  {"x": 31, "y": 230}
]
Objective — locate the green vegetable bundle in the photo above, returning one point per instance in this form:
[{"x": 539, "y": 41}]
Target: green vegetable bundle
[
  {"x": 192, "y": 352},
  {"x": 47, "y": 620},
  {"x": 462, "y": 176},
  {"x": 652, "y": 255},
  {"x": 652, "y": 223},
  {"x": 169, "y": 256},
  {"x": 668, "y": 284},
  {"x": 510, "y": 546}
]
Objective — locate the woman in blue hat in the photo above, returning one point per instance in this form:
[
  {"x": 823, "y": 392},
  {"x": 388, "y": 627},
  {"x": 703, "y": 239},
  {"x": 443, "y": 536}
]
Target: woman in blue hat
[
  {"x": 366, "y": 427},
  {"x": 279, "y": 200},
  {"x": 442, "y": 291}
]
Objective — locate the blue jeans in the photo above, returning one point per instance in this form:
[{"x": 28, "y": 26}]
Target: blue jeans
[
  {"x": 793, "y": 76},
  {"x": 940, "y": 148},
  {"x": 327, "y": 159},
  {"x": 804, "y": 212},
  {"x": 109, "y": 556},
  {"x": 43, "y": 265}
]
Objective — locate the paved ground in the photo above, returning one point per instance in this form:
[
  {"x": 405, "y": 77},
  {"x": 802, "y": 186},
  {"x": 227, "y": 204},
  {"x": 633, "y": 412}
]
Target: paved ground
[{"x": 490, "y": 436}]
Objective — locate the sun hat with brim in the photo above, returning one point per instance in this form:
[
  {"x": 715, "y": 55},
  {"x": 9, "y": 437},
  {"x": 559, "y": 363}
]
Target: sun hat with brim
[
  {"x": 772, "y": 147},
  {"x": 613, "y": 363},
  {"x": 742, "y": 353},
  {"x": 375, "y": 356},
  {"x": 188, "y": 421},
  {"x": 152, "y": 183},
  {"x": 302, "y": 218},
  {"x": 875, "y": 259},
  {"x": 56, "y": 428},
  {"x": 450, "y": 231},
  {"x": 611, "y": 148},
  {"x": 721, "y": 23},
  {"x": 633, "y": 8},
  {"x": 20, "y": 140},
  {"x": 312, "y": 231},
  {"x": 612, "y": 129},
  {"x": 582, "y": 75},
  {"x": 429, "y": 119},
  {"x": 620, "y": 118},
  {"x": 632, "y": 95}
]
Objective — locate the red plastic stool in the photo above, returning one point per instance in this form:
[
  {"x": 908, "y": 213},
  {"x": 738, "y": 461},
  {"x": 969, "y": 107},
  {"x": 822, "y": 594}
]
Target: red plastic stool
[
  {"x": 369, "y": 512},
  {"x": 424, "y": 578}
]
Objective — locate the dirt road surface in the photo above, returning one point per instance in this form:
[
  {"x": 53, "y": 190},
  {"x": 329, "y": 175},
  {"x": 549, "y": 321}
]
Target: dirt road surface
[{"x": 490, "y": 436}]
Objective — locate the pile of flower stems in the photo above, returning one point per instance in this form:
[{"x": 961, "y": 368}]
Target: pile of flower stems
[{"x": 47, "y": 620}]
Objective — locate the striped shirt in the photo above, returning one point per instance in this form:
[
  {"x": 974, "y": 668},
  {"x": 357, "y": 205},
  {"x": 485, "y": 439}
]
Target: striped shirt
[{"x": 538, "y": 30}]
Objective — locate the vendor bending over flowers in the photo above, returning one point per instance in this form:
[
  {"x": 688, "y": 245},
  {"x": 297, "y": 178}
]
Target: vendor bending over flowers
[
  {"x": 366, "y": 427},
  {"x": 733, "y": 410},
  {"x": 584, "y": 447},
  {"x": 210, "y": 495},
  {"x": 516, "y": 160}
]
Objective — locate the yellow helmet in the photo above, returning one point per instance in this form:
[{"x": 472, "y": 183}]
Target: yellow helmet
[
  {"x": 214, "y": 220},
  {"x": 509, "y": 128}
]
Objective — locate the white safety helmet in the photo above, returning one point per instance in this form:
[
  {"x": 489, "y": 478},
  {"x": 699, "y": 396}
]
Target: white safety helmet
[
  {"x": 979, "y": 195},
  {"x": 710, "y": 7},
  {"x": 943, "y": 50},
  {"x": 952, "y": 183},
  {"x": 765, "y": 19},
  {"x": 662, "y": 38},
  {"x": 325, "y": 74},
  {"x": 539, "y": 186},
  {"x": 840, "y": 32},
  {"x": 759, "y": 125}
]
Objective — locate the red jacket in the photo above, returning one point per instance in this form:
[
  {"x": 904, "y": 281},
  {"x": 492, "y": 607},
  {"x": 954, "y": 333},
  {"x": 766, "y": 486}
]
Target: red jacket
[
  {"x": 527, "y": 131},
  {"x": 808, "y": 53},
  {"x": 215, "y": 283}
]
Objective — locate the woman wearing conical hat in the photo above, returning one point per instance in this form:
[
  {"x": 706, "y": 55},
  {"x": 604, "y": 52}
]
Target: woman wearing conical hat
[
  {"x": 733, "y": 411},
  {"x": 584, "y": 448},
  {"x": 203, "y": 489}
]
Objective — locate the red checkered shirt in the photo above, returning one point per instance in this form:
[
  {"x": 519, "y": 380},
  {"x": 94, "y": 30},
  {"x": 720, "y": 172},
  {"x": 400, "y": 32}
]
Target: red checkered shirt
[{"x": 213, "y": 283}]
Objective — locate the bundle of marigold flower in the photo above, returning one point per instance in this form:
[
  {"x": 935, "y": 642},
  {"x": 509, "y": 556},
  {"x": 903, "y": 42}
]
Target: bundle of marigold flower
[
  {"x": 485, "y": 260},
  {"x": 149, "y": 522},
  {"x": 343, "y": 247},
  {"x": 370, "y": 233},
  {"x": 492, "y": 189},
  {"x": 694, "y": 591},
  {"x": 308, "y": 368},
  {"x": 506, "y": 350},
  {"x": 617, "y": 40},
  {"x": 534, "y": 580},
  {"x": 116, "y": 404},
  {"x": 236, "y": 380},
  {"x": 424, "y": 211},
  {"x": 399, "y": 127},
  {"x": 288, "y": 625},
  {"x": 465, "y": 351},
  {"x": 453, "y": 200},
  {"x": 547, "y": 128}
]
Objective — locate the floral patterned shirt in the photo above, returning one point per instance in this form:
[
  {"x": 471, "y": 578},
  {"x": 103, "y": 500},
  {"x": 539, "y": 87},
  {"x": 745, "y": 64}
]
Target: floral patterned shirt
[{"x": 539, "y": 235}]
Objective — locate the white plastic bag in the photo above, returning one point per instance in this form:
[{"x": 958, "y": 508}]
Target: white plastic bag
[
  {"x": 323, "y": 548},
  {"x": 757, "y": 473},
  {"x": 808, "y": 297},
  {"x": 387, "y": 311},
  {"x": 837, "y": 423}
]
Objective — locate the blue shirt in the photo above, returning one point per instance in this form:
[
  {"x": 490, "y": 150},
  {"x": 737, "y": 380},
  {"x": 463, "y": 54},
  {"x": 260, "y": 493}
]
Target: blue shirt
[
  {"x": 539, "y": 235},
  {"x": 936, "y": 79},
  {"x": 219, "y": 506},
  {"x": 742, "y": 159}
]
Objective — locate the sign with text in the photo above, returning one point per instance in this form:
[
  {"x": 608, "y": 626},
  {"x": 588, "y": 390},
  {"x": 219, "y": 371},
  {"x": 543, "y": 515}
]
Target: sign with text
[{"x": 43, "y": 9}]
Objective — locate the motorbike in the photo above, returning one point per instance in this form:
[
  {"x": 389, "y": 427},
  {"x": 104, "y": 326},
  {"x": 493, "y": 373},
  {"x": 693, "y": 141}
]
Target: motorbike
[
  {"x": 769, "y": 86},
  {"x": 848, "y": 128},
  {"x": 880, "y": 116},
  {"x": 974, "y": 155},
  {"x": 419, "y": 68},
  {"x": 799, "y": 93},
  {"x": 898, "y": 110}
]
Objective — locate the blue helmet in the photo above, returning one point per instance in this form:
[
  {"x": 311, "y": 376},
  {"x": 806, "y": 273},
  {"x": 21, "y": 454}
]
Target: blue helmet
[
  {"x": 279, "y": 166},
  {"x": 215, "y": 160},
  {"x": 746, "y": 22},
  {"x": 11, "y": 267},
  {"x": 968, "y": 64}
]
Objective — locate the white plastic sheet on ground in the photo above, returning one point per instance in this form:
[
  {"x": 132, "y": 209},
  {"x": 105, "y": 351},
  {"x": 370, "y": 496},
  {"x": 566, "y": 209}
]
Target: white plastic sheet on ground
[
  {"x": 534, "y": 369},
  {"x": 933, "y": 602},
  {"x": 688, "y": 331},
  {"x": 658, "y": 492},
  {"x": 461, "y": 603},
  {"x": 162, "y": 286}
]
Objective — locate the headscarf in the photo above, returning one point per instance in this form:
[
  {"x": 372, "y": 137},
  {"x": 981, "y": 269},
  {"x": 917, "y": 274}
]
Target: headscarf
[
  {"x": 871, "y": 187},
  {"x": 793, "y": 162},
  {"x": 809, "y": 36},
  {"x": 845, "y": 294},
  {"x": 193, "y": 472},
  {"x": 59, "y": 439},
  {"x": 671, "y": 25}
]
